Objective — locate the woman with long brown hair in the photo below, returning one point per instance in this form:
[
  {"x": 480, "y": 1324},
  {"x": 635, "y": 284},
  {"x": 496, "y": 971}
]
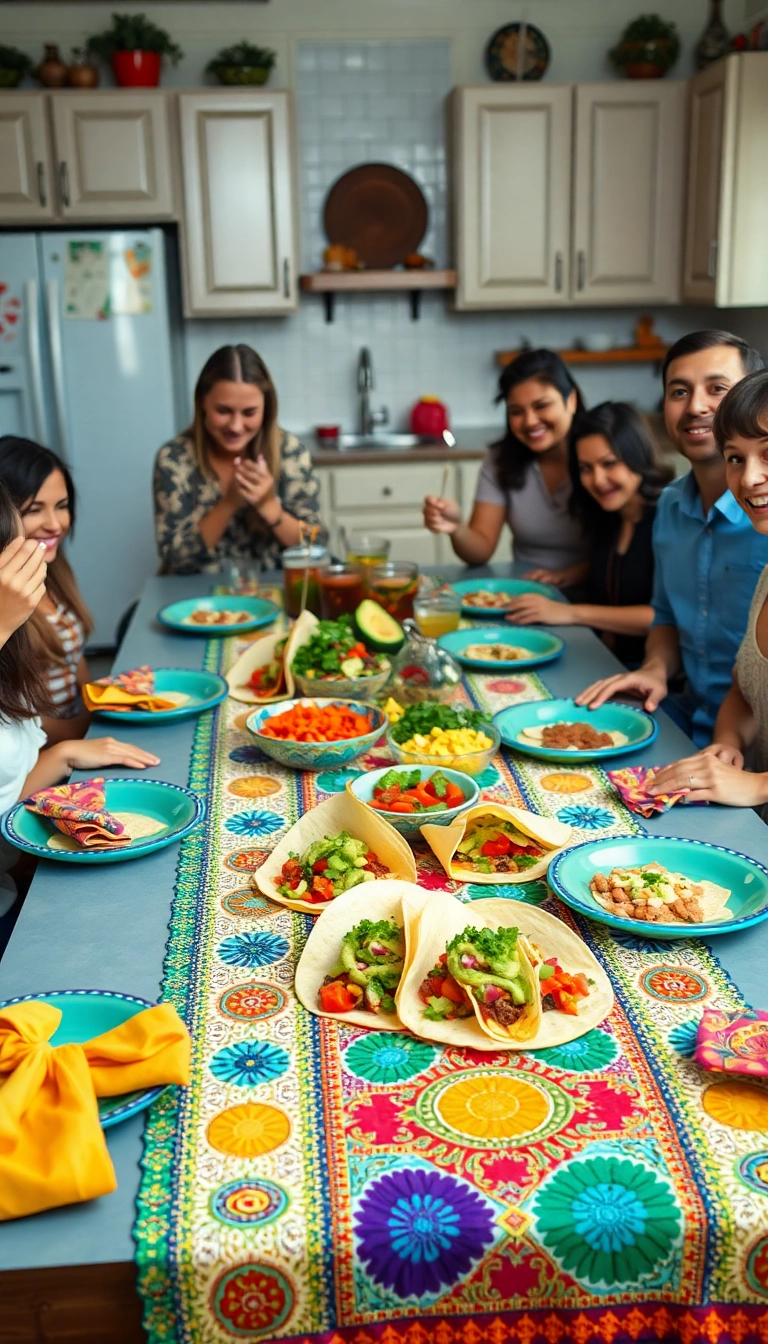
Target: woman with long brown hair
[
  {"x": 42, "y": 490},
  {"x": 234, "y": 485}
]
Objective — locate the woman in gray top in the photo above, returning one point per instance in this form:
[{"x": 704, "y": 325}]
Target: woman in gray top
[{"x": 524, "y": 478}]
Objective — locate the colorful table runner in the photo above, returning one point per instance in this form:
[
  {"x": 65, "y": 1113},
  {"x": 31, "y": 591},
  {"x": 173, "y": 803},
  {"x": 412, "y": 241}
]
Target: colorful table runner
[{"x": 317, "y": 1181}]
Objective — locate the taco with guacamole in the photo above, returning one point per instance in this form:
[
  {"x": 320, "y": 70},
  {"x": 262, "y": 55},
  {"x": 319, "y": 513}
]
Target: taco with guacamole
[
  {"x": 494, "y": 843},
  {"x": 490, "y": 969},
  {"x": 368, "y": 970}
]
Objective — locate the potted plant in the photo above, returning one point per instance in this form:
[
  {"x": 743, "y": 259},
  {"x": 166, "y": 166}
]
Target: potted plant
[
  {"x": 243, "y": 63},
  {"x": 135, "y": 47},
  {"x": 14, "y": 65},
  {"x": 648, "y": 48}
]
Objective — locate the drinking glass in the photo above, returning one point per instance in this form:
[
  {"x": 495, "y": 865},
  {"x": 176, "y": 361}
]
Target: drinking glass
[
  {"x": 437, "y": 612},
  {"x": 242, "y": 576},
  {"x": 342, "y": 589},
  {"x": 365, "y": 549},
  {"x": 299, "y": 561},
  {"x": 394, "y": 586}
]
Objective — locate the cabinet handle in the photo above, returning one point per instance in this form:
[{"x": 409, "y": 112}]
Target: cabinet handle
[
  {"x": 558, "y": 271},
  {"x": 581, "y": 270},
  {"x": 387, "y": 490},
  {"x": 64, "y": 183},
  {"x": 286, "y": 279},
  {"x": 712, "y": 259},
  {"x": 41, "y": 192}
]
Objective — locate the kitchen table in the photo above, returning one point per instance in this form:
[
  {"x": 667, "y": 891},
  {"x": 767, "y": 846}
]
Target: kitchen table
[{"x": 69, "y": 1274}]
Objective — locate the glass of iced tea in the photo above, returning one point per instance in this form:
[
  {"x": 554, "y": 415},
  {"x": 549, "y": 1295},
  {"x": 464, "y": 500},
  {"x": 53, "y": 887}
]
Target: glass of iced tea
[
  {"x": 394, "y": 586},
  {"x": 365, "y": 549},
  {"x": 342, "y": 589},
  {"x": 437, "y": 612},
  {"x": 299, "y": 561}
]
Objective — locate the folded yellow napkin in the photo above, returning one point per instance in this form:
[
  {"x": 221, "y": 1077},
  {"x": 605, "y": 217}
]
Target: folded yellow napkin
[
  {"x": 52, "y": 1146},
  {"x": 126, "y": 691}
]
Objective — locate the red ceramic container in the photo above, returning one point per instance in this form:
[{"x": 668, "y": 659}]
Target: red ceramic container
[
  {"x": 429, "y": 417},
  {"x": 137, "y": 69}
]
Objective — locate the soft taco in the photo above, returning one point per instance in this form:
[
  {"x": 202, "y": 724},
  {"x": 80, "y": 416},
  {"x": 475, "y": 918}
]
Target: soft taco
[
  {"x": 495, "y": 843},
  {"x": 263, "y": 673},
  {"x": 334, "y": 848},
  {"x": 356, "y": 954}
]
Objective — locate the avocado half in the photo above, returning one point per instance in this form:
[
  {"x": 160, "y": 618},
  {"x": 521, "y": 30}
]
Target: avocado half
[{"x": 380, "y": 631}]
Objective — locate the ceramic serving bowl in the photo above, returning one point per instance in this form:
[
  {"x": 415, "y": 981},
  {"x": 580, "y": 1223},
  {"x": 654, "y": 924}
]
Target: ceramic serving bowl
[
  {"x": 315, "y": 755},
  {"x": 348, "y": 688},
  {"x": 470, "y": 763},
  {"x": 410, "y": 826}
]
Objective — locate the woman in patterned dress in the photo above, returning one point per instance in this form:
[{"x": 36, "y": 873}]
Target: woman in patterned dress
[
  {"x": 43, "y": 492},
  {"x": 234, "y": 486}
]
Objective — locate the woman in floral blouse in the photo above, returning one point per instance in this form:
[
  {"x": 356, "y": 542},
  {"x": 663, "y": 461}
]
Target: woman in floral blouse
[{"x": 234, "y": 486}]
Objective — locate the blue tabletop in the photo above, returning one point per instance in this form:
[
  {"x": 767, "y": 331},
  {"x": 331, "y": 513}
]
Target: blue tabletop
[{"x": 106, "y": 928}]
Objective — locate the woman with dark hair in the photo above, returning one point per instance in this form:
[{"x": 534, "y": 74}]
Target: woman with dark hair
[
  {"x": 233, "y": 485},
  {"x": 524, "y": 478},
  {"x": 43, "y": 492},
  {"x": 617, "y": 478}
]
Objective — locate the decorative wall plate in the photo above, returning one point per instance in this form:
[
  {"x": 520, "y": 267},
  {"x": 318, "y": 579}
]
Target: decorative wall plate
[{"x": 517, "y": 51}]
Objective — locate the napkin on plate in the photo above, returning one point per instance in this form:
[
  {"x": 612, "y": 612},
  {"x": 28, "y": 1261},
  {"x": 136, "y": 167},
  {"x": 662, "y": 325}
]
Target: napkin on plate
[
  {"x": 632, "y": 784},
  {"x": 126, "y": 691},
  {"x": 734, "y": 1042},
  {"x": 52, "y": 1147},
  {"x": 79, "y": 810}
]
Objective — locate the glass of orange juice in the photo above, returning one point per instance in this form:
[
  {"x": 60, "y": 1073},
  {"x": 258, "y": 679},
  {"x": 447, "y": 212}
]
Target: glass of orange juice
[{"x": 437, "y": 612}]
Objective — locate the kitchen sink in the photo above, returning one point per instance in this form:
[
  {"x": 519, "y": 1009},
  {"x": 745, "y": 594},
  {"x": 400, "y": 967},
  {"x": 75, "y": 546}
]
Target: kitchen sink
[{"x": 382, "y": 442}]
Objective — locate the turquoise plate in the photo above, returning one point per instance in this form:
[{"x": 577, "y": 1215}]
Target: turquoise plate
[
  {"x": 175, "y": 616},
  {"x": 513, "y": 587},
  {"x": 179, "y": 810},
  {"x": 541, "y": 645},
  {"x": 205, "y": 690},
  {"x": 91, "y": 1012},
  {"x": 637, "y": 726},
  {"x": 410, "y": 825},
  {"x": 571, "y": 871}
]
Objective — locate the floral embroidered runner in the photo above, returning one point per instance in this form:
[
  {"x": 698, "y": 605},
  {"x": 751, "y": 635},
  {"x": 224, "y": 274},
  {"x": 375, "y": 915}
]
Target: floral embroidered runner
[{"x": 320, "y": 1182}]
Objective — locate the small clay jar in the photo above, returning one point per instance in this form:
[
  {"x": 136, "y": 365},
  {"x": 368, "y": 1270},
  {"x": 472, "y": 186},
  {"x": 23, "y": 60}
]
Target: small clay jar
[
  {"x": 82, "y": 74},
  {"x": 52, "y": 72}
]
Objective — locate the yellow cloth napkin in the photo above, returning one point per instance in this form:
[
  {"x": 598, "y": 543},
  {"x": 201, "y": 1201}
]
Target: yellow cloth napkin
[
  {"x": 98, "y": 696},
  {"x": 52, "y": 1147}
]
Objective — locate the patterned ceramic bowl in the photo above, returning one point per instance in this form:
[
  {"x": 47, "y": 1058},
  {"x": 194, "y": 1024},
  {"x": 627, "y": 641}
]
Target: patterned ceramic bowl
[
  {"x": 410, "y": 826},
  {"x": 315, "y": 755},
  {"x": 472, "y": 763},
  {"x": 349, "y": 688}
]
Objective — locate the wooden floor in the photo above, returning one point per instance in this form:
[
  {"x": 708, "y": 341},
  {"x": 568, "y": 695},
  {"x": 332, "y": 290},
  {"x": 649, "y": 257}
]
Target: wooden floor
[{"x": 93, "y": 1304}]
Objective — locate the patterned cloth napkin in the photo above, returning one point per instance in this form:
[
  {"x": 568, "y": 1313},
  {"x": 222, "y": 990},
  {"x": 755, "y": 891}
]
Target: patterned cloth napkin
[
  {"x": 79, "y": 810},
  {"x": 735, "y": 1042},
  {"x": 126, "y": 691},
  {"x": 632, "y": 785}
]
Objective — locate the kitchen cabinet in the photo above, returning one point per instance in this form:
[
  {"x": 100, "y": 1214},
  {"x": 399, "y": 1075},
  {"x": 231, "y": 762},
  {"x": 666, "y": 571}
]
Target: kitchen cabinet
[
  {"x": 513, "y": 180},
  {"x": 239, "y": 232},
  {"x": 725, "y": 260},
  {"x": 26, "y": 187},
  {"x": 627, "y": 192}
]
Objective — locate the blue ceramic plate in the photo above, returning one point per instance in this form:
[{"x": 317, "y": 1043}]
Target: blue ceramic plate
[
  {"x": 512, "y": 587},
  {"x": 571, "y": 871},
  {"x": 637, "y": 726},
  {"x": 205, "y": 690},
  {"x": 179, "y": 811},
  {"x": 175, "y": 616},
  {"x": 409, "y": 826},
  {"x": 91, "y": 1012},
  {"x": 316, "y": 755},
  {"x": 541, "y": 645}
]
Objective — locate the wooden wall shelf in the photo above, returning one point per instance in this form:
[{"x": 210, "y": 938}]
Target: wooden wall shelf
[
  {"x": 331, "y": 283},
  {"x": 640, "y": 354}
]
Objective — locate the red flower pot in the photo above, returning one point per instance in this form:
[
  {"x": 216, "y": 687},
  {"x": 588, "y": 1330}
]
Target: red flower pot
[{"x": 137, "y": 69}]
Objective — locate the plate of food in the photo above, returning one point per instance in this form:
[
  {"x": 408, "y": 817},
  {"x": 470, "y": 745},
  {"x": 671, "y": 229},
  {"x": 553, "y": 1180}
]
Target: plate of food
[
  {"x": 560, "y": 730},
  {"x": 153, "y": 812},
  {"x": 492, "y": 842},
  {"x": 502, "y": 648},
  {"x": 662, "y": 886},
  {"x": 409, "y": 796},
  {"x": 499, "y": 975},
  {"x": 220, "y": 614},
  {"x": 490, "y": 597},
  {"x": 185, "y": 692}
]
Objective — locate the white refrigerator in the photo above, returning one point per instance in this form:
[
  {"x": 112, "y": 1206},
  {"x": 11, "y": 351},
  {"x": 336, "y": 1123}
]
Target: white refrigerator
[{"x": 90, "y": 360}]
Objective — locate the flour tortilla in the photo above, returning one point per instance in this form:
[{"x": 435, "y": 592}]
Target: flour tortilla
[
  {"x": 138, "y": 825},
  {"x": 535, "y": 735},
  {"x": 443, "y": 917},
  {"x": 712, "y": 900},
  {"x": 259, "y": 654},
  {"x": 177, "y": 699},
  {"x": 386, "y": 899},
  {"x": 479, "y": 653},
  {"x": 342, "y": 812},
  {"x": 445, "y": 840}
]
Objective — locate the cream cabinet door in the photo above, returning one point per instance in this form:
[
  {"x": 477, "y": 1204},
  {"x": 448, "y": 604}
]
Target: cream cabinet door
[
  {"x": 26, "y": 189},
  {"x": 513, "y": 184},
  {"x": 239, "y": 226},
  {"x": 628, "y": 197},
  {"x": 706, "y": 117},
  {"x": 113, "y": 155}
]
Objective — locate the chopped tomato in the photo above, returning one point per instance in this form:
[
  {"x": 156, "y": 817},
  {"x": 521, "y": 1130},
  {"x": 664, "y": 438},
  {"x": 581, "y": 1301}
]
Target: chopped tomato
[
  {"x": 322, "y": 887},
  {"x": 493, "y": 848},
  {"x": 405, "y": 805},
  {"x": 565, "y": 1002},
  {"x": 435, "y": 988},
  {"x": 319, "y": 866},
  {"x": 449, "y": 989},
  {"x": 336, "y": 998},
  {"x": 453, "y": 795}
]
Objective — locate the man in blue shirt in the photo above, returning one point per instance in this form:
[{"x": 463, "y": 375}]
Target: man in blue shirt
[{"x": 707, "y": 555}]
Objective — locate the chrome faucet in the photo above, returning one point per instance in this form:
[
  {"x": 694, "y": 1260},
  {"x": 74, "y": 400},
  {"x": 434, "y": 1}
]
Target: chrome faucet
[{"x": 365, "y": 385}]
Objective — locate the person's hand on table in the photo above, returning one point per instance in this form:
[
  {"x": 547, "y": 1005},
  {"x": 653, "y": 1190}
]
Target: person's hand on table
[
  {"x": 22, "y": 583},
  {"x": 725, "y": 752},
  {"x": 441, "y": 515},
  {"x": 252, "y": 483},
  {"x": 553, "y": 576},
  {"x": 95, "y": 752},
  {"x": 649, "y": 684},
  {"x": 706, "y": 779},
  {"x": 533, "y": 609}
]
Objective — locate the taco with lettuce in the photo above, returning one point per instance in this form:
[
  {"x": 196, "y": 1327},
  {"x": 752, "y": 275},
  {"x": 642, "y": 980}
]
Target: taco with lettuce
[
  {"x": 368, "y": 970},
  {"x": 492, "y": 842},
  {"x": 489, "y": 969}
]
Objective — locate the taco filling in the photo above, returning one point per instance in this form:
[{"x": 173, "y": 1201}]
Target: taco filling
[
  {"x": 490, "y": 966},
  {"x": 560, "y": 990},
  {"x": 266, "y": 681},
  {"x": 444, "y": 997},
  {"x": 329, "y": 867},
  {"x": 493, "y": 845},
  {"x": 368, "y": 970}
]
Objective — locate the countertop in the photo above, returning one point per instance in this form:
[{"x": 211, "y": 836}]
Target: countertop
[{"x": 472, "y": 442}]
